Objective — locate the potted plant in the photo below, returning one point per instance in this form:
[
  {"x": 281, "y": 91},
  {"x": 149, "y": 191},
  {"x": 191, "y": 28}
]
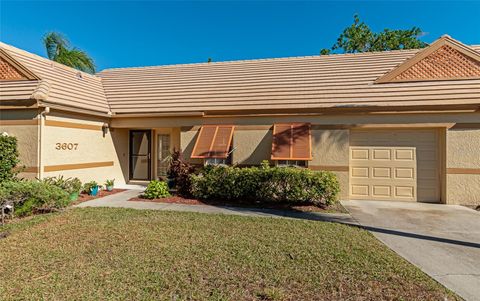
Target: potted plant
[
  {"x": 91, "y": 188},
  {"x": 73, "y": 187},
  {"x": 109, "y": 184}
]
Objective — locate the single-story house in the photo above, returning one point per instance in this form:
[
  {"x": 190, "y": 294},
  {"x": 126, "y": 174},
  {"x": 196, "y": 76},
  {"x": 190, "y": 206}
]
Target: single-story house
[{"x": 399, "y": 125}]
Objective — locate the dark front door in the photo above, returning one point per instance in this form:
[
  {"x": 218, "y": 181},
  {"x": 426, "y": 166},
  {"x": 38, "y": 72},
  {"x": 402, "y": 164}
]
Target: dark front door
[{"x": 140, "y": 155}]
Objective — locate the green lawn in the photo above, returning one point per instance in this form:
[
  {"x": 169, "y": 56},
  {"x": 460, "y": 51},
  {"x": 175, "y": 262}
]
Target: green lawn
[{"x": 122, "y": 254}]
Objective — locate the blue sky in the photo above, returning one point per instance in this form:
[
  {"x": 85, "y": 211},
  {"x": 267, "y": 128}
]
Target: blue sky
[{"x": 123, "y": 34}]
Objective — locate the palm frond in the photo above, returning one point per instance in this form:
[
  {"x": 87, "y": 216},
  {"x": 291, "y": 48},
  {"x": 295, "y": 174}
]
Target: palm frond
[{"x": 58, "y": 50}]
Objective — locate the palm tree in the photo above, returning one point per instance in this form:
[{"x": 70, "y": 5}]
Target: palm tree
[{"x": 59, "y": 50}]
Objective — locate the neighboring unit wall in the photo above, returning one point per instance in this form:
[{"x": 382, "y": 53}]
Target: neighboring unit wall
[
  {"x": 463, "y": 164},
  {"x": 23, "y": 124},
  {"x": 330, "y": 152},
  {"x": 78, "y": 147}
]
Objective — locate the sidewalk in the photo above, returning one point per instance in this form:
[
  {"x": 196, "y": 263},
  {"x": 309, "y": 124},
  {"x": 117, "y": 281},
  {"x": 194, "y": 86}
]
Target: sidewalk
[{"x": 120, "y": 200}]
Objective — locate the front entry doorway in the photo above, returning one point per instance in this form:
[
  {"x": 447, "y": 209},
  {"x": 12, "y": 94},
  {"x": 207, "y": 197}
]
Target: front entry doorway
[{"x": 140, "y": 155}]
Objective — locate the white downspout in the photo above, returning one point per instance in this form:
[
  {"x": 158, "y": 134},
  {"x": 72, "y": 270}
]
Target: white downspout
[{"x": 42, "y": 117}]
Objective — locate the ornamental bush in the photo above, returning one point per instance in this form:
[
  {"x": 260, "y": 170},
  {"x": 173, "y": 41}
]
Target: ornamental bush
[
  {"x": 70, "y": 185},
  {"x": 179, "y": 170},
  {"x": 32, "y": 196},
  {"x": 8, "y": 157},
  {"x": 266, "y": 184},
  {"x": 156, "y": 189}
]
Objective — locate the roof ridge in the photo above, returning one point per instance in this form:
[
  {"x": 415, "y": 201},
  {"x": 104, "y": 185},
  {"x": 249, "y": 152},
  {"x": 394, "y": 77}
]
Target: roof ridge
[
  {"x": 261, "y": 59},
  {"x": 12, "y": 48}
]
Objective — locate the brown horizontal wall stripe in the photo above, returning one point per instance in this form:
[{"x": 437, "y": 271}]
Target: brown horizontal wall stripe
[
  {"x": 329, "y": 167},
  {"x": 19, "y": 122},
  {"x": 466, "y": 126},
  {"x": 463, "y": 171},
  {"x": 77, "y": 166},
  {"x": 73, "y": 125},
  {"x": 26, "y": 169}
]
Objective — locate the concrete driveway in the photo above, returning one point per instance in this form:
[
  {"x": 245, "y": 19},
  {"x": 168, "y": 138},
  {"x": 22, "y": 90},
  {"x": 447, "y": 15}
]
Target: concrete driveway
[{"x": 442, "y": 240}]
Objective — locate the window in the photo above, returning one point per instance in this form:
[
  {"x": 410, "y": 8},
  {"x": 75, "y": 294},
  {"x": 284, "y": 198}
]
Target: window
[
  {"x": 215, "y": 161},
  {"x": 292, "y": 142},
  {"x": 214, "y": 144},
  {"x": 292, "y": 163},
  {"x": 163, "y": 151}
]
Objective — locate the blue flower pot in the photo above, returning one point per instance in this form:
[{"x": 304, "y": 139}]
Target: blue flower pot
[{"x": 94, "y": 191}]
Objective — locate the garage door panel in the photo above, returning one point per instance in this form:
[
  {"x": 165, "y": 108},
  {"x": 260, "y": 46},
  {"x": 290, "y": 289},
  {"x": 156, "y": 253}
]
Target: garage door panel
[
  {"x": 407, "y": 192},
  {"x": 381, "y": 172},
  {"x": 381, "y": 154},
  {"x": 360, "y": 172},
  {"x": 359, "y": 190},
  {"x": 394, "y": 165},
  {"x": 360, "y": 154},
  {"x": 382, "y": 191},
  {"x": 404, "y": 173},
  {"x": 405, "y": 154}
]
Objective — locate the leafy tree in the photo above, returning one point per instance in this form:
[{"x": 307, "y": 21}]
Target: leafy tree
[
  {"x": 358, "y": 37},
  {"x": 59, "y": 50}
]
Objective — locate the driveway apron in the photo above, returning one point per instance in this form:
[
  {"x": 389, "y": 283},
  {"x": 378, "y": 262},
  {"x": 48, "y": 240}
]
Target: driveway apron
[{"x": 442, "y": 240}]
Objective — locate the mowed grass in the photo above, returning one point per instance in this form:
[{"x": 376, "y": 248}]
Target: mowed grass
[{"x": 122, "y": 254}]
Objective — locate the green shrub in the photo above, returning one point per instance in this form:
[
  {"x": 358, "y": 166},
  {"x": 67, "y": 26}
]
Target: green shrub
[
  {"x": 33, "y": 196},
  {"x": 8, "y": 157},
  {"x": 156, "y": 189},
  {"x": 70, "y": 185},
  {"x": 266, "y": 184}
]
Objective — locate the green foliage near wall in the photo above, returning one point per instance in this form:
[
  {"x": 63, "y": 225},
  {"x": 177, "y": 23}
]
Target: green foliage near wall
[
  {"x": 8, "y": 157},
  {"x": 156, "y": 189},
  {"x": 33, "y": 196},
  {"x": 266, "y": 184}
]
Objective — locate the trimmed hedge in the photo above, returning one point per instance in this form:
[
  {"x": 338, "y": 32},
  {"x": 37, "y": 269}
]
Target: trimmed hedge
[
  {"x": 8, "y": 157},
  {"x": 266, "y": 184},
  {"x": 29, "y": 197}
]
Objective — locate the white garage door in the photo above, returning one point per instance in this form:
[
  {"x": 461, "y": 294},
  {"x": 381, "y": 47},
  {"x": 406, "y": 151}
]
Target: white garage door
[{"x": 399, "y": 165}]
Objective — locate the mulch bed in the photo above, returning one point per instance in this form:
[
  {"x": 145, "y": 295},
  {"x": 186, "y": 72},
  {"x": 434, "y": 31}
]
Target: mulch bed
[
  {"x": 83, "y": 197},
  {"x": 280, "y": 206}
]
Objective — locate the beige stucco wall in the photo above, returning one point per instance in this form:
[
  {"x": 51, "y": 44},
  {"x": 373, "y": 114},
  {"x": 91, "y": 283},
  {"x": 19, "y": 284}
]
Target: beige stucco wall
[
  {"x": 251, "y": 146},
  {"x": 27, "y": 137},
  {"x": 93, "y": 147},
  {"x": 330, "y": 150},
  {"x": 463, "y": 154},
  {"x": 188, "y": 136}
]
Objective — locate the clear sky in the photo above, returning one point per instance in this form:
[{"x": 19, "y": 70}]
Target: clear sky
[{"x": 123, "y": 34}]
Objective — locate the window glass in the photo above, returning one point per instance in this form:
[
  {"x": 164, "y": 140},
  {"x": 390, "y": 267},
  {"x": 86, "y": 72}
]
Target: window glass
[{"x": 291, "y": 163}]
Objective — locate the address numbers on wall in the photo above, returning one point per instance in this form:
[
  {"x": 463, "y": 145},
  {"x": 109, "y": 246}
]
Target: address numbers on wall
[{"x": 66, "y": 146}]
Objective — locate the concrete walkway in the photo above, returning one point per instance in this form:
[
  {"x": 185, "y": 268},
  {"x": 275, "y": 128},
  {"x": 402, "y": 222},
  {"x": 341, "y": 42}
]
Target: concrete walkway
[
  {"x": 442, "y": 240},
  {"x": 120, "y": 200}
]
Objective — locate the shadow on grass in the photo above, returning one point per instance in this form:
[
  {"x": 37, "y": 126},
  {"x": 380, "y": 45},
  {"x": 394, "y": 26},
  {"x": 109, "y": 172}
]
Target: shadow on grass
[{"x": 347, "y": 220}]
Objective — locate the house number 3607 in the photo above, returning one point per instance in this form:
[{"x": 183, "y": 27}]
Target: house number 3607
[{"x": 66, "y": 146}]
